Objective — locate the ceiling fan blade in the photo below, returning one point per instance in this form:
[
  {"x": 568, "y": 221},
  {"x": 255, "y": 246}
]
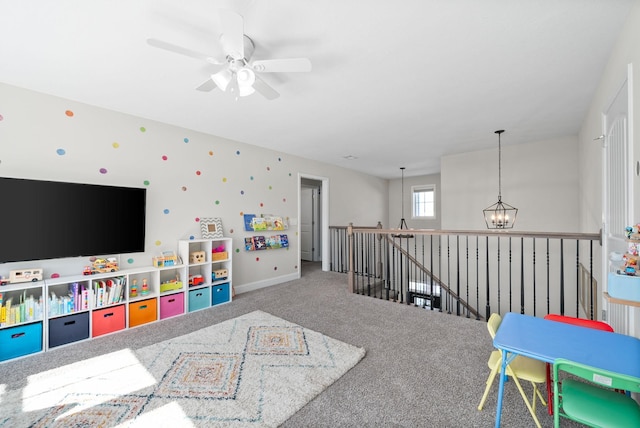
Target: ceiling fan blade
[
  {"x": 182, "y": 51},
  {"x": 282, "y": 65},
  {"x": 267, "y": 91},
  {"x": 232, "y": 38},
  {"x": 207, "y": 86}
]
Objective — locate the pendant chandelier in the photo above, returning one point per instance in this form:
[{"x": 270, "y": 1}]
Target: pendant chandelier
[
  {"x": 403, "y": 223},
  {"x": 500, "y": 215}
]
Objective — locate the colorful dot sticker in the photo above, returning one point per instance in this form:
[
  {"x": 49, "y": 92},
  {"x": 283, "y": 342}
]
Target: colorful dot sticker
[
  {"x": 268, "y": 168},
  {"x": 198, "y": 172},
  {"x": 115, "y": 145},
  {"x": 217, "y": 202},
  {"x": 242, "y": 192},
  {"x": 55, "y": 275},
  {"x": 186, "y": 140},
  {"x": 158, "y": 243},
  {"x": 143, "y": 129},
  {"x": 164, "y": 157},
  {"x": 69, "y": 113},
  {"x": 191, "y": 237},
  {"x": 166, "y": 211},
  {"x": 230, "y": 230},
  {"x": 130, "y": 261},
  {"x": 275, "y": 268},
  {"x": 210, "y": 153},
  {"x": 251, "y": 178},
  {"x": 1, "y": 117},
  {"x": 61, "y": 152},
  {"x": 146, "y": 182},
  {"x": 261, "y": 204},
  {"x": 224, "y": 179},
  {"x": 270, "y": 188},
  {"x": 103, "y": 170},
  {"x": 257, "y": 259},
  {"x": 184, "y": 188},
  {"x": 197, "y": 219},
  {"x": 238, "y": 152}
]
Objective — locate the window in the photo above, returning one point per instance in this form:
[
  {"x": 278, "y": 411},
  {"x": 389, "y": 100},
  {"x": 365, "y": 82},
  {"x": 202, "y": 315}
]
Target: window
[{"x": 423, "y": 201}]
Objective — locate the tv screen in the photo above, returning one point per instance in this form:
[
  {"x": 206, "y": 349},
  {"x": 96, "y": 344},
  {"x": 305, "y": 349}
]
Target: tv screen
[{"x": 49, "y": 219}]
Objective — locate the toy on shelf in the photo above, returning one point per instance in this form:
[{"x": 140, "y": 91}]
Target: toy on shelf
[
  {"x": 171, "y": 284},
  {"x": 197, "y": 257},
  {"x": 133, "y": 291},
  {"x": 4, "y": 280},
  {"x": 167, "y": 259},
  {"x": 219, "y": 274},
  {"x": 102, "y": 266},
  {"x": 195, "y": 280},
  {"x": 630, "y": 258},
  {"x": 23, "y": 275},
  {"x": 219, "y": 253},
  {"x": 145, "y": 287}
]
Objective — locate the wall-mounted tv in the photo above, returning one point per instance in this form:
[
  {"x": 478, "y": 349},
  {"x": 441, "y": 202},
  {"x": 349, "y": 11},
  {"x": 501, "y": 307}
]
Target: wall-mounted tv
[{"x": 51, "y": 219}]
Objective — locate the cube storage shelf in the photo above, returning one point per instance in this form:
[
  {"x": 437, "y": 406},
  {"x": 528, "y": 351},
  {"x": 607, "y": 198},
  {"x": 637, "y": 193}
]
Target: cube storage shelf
[
  {"x": 37, "y": 316},
  {"x": 209, "y": 277}
]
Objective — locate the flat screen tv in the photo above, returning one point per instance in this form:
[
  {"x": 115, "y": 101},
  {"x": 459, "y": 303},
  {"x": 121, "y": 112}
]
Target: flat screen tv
[{"x": 50, "y": 219}]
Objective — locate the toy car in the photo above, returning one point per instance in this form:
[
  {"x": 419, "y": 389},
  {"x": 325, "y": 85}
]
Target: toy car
[{"x": 195, "y": 280}]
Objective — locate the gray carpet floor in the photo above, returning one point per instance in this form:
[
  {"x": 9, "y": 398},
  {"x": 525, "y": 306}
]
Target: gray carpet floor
[{"x": 422, "y": 368}]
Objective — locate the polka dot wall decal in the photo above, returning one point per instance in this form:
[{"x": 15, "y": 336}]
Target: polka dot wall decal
[
  {"x": 268, "y": 168},
  {"x": 284, "y": 199},
  {"x": 130, "y": 261},
  {"x": 238, "y": 152},
  {"x": 257, "y": 259},
  {"x": 237, "y": 250},
  {"x": 158, "y": 243},
  {"x": 251, "y": 178},
  {"x": 184, "y": 188},
  {"x": 198, "y": 172},
  {"x": 166, "y": 211},
  {"x": 224, "y": 179},
  {"x": 191, "y": 237},
  {"x": 210, "y": 153},
  {"x": 197, "y": 219},
  {"x": 115, "y": 145},
  {"x": 261, "y": 204},
  {"x": 279, "y": 159},
  {"x": 217, "y": 202},
  {"x": 242, "y": 192},
  {"x": 164, "y": 157},
  {"x": 143, "y": 129},
  {"x": 103, "y": 170},
  {"x": 69, "y": 113},
  {"x": 270, "y": 188},
  {"x": 1, "y": 117},
  {"x": 145, "y": 182},
  {"x": 55, "y": 275},
  {"x": 186, "y": 140},
  {"x": 230, "y": 230},
  {"x": 61, "y": 152},
  {"x": 275, "y": 268}
]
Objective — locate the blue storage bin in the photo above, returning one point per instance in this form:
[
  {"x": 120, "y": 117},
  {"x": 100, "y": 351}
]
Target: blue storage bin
[
  {"x": 221, "y": 294},
  {"x": 68, "y": 329},
  {"x": 199, "y": 299},
  {"x": 20, "y": 340},
  {"x": 624, "y": 287}
]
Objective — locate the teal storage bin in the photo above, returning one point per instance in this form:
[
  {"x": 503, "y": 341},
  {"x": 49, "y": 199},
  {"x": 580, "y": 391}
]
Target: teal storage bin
[
  {"x": 199, "y": 299},
  {"x": 624, "y": 287},
  {"x": 221, "y": 294},
  {"x": 20, "y": 340}
]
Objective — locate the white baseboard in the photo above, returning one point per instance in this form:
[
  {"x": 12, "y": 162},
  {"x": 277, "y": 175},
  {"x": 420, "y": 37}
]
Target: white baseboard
[{"x": 265, "y": 283}]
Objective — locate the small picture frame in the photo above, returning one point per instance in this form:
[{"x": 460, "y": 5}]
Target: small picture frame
[{"x": 211, "y": 228}]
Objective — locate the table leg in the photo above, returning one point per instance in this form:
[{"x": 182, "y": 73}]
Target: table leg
[{"x": 506, "y": 359}]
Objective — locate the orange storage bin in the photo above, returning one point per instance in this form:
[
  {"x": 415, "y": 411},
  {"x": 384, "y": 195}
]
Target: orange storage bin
[{"x": 142, "y": 312}]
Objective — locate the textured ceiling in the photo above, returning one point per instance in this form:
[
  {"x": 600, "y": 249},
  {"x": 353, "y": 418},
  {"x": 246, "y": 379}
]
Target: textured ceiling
[{"x": 394, "y": 83}]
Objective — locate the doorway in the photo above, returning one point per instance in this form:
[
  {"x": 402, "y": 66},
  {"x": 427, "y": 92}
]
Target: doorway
[{"x": 313, "y": 215}]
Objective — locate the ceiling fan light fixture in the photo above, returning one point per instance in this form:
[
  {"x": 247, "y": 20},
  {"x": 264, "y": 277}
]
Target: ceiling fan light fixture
[
  {"x": 222, "y": 79},
  {"x": 246, "y": 78}
]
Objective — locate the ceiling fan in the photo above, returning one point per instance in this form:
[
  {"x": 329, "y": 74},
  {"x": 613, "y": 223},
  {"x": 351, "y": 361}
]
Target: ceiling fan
[{"x": 236, "y": 72}]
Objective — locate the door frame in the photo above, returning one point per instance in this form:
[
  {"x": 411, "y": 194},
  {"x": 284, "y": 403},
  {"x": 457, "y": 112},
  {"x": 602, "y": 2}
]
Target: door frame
[{"x": 324, "y": 220}]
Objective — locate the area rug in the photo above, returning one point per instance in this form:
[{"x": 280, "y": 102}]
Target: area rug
[{"x": 255, "y": 371}]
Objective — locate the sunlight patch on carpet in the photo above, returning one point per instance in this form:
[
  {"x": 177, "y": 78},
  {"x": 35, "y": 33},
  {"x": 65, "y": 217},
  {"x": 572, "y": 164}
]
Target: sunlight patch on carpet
[{"x": 254, "y": 370}]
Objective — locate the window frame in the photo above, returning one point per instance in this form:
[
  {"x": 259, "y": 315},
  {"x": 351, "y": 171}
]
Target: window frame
[{"x": 422, "y": 188}]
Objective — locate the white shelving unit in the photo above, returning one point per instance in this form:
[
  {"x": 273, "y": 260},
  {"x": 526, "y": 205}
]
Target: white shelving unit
[
  {"x": 209, "y": 273},
  {"x": 65, "y": 310}
]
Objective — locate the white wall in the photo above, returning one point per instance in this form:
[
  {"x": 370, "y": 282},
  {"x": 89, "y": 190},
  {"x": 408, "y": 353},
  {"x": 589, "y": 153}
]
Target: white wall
[
  {"x": 188, "y": 175},
  {"x": 536, "y": 177},
  {"x": 396, "y": 203},
  {"x": 626, "y": 52}
]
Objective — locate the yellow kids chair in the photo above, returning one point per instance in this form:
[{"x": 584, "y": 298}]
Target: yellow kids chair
[{"x": 521, "y": 368}]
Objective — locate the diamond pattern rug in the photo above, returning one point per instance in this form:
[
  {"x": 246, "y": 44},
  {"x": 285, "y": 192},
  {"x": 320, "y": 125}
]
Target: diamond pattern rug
[{"x": 255, "y": 370}]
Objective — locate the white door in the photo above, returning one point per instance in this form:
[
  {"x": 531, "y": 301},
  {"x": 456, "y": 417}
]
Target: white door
[
  {"x": 306, "y": 223},
  {"x": 617, "y": 186}
]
